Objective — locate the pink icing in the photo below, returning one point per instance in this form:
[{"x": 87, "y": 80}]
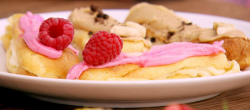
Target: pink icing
[
  {"x": 157, "y": 55},
  {"x": 30, "y": 24}
]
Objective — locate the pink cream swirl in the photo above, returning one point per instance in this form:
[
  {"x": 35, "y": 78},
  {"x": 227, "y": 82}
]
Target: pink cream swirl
[
  {"x": 30, "y": 24},
  {"x": 157, "y": 55}
]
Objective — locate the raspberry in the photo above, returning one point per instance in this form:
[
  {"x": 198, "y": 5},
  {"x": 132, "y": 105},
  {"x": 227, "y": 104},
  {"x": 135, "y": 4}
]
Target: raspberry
[
  {"x": 102, "y": 47},
  {"x": 56, "y": 32},
  {"x": 178, "y": 107}
]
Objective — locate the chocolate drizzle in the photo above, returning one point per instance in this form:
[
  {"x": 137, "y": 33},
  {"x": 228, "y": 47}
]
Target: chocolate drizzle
[
  {"x": 90, "y": 33},
  {"x": 105, "y": 16},
  {"x": 100, "y": 14},
  {"x": 152, "y": 39},
  {"x": 93, "y": 8},
  {"x": 100, "y": 17},
  {"x": 184, "y": 23},
  {"x": 100, "y": 20},
  {"x": 170, "y": 34}
]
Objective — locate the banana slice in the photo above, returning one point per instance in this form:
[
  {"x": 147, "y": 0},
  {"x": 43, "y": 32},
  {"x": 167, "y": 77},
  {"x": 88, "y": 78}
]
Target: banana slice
[
  {"x": 222, "y": 28},
  {"x": 129, "y": 29}
]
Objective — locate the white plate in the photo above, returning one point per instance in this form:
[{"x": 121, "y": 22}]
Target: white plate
[{"x": 126, "y": 93}]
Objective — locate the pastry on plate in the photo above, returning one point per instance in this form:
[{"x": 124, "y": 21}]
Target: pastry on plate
[
  {"x": 164, "y": 26},
  {"x": 92, "y": 19},
  {"x": 38, "y": 47},
  {"x": 86, "y": 22},
  {"x": 235, "y": 41},
  {"x": 169, "y": 61},
  {"x": 159, "y": 21}
]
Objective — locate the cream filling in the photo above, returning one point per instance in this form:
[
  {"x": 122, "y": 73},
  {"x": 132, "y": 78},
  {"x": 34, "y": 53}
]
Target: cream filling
[
  {"x": 201, "y": 72},
  {"x": 194, "y": 33},
  {"x": 159, "y": 21},
  {"x": 222, "y": 30},
  {"x": 129, "y": 29},
  {"x": 131, "y": 32},
  {"x": 206, "y": 37},
  {"x": 147, "y": 43},
  {"x": 135, "y": 54},
  {"x": 84, "y": 18}
]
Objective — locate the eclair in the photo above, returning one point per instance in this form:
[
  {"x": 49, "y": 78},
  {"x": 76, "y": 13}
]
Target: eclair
[
  {"x": 26, "y": 52},
  {"x": 169, "y": 61}
]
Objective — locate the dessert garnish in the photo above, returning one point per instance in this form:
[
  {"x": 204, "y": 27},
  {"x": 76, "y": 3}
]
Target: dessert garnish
[
  {"x": 152, "y": 39},
  {"x": 102, "y": 47},
  {"x": 100, "y": 17},
  {"x": 90, "y": 33},
  {"x": 30, "y": 24},
  {"x": 93, "y": 7},
  {"x": 188, "y": 23},
  {"x": 178, "y": 107},
  {"x": 56, "y": 32}
]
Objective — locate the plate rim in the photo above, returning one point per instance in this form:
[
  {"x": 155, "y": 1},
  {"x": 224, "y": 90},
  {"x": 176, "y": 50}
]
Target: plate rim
[
  {"x": 187, "y": 80},
  {"x": 158, "y": 85}
]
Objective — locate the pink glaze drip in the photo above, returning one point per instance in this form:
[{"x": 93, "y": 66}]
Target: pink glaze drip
[
  {"x": 157, "y": 55},
  {"x": 30, "y": 24}
]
